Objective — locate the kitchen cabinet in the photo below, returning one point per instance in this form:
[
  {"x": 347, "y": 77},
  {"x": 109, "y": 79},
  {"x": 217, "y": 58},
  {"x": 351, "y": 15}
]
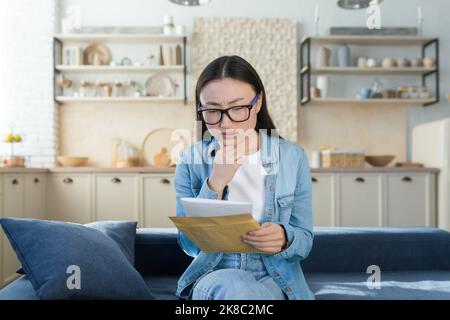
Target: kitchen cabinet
[
  {"x": 13, "y": 206},
  {"x": 410, "y": 200},
  {"x": 384, "y": 199},
  {"x": 323, "y": 199},
  {"x": 116, "y": 197},
  {"x": 69, "y": 197},
  {"x": 158, "y": 201},
  {"x": 360, "y": 200},
  {"x": 35, "y": 194}
]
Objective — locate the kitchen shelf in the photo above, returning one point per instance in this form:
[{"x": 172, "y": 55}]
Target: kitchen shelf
[
  {"x": 357, "y": 70},
  {"x": 157, "y": 38},
  {"x": 372, "y": 40},
  {"x": 59, "y": 40},
  {"x": 89, "y": 68},
  {"x": 66, "y": 100},
  {"x": 340, "y": 101},
  {"x": 425, "y": 73}
]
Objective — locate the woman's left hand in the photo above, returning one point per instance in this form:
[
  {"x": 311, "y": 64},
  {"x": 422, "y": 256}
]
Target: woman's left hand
[{"x": 270, "y": 237}]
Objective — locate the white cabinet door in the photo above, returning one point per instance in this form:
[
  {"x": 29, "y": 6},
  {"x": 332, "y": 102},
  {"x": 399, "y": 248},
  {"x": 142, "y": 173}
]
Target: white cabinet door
[
  {"x": 360, "y": 200},
  {"x": 35, "y": 188},
  {"x": 323, "y": 199},
  {"x": 116, "y": 197},
  {"x": 69, "y": 197},
  {"x": 13, "y": 206},
  {"x": 159, "y": 201},
  {"x": 409, "y": 199}
]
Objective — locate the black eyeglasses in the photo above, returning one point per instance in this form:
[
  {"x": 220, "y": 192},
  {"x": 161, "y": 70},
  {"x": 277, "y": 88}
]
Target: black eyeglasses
[{"x": 236, "y": 113}]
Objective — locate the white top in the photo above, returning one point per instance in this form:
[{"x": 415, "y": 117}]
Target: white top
[{"x": 247, "y": 184}]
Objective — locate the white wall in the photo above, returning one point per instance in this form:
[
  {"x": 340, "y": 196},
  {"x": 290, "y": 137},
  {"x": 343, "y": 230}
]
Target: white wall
[
  {"x": 394, "y": 13},
  {"x": 26, "y": 28},
  {"x": 26, "y": 79}
]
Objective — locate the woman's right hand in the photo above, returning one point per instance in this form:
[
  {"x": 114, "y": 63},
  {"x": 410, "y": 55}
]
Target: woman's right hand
[{"x": 227, "y": 161}]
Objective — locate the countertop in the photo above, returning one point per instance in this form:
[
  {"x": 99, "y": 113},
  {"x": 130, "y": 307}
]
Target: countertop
[
  {"x": 390, "y": 169},
  {"x": 149, "y": 170}
]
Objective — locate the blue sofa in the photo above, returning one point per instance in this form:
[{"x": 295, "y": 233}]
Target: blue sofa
[{"x": 414, "y": 264}]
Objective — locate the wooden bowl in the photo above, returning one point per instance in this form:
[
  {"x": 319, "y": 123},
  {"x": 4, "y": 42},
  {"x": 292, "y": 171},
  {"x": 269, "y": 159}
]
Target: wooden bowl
[
  {"x": 67, "y": 161},
  {"x": 379, "y": 161}
]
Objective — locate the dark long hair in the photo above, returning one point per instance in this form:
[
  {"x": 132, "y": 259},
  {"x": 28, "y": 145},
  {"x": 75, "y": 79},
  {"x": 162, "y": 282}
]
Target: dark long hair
[{"x": 237, "y": 68}]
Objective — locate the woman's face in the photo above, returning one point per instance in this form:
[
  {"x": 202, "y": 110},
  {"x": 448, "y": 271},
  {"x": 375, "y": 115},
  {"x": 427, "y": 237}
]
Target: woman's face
[{"x": 226, "y": 93}]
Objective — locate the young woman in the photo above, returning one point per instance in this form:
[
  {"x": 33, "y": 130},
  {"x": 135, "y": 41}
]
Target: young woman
[{"x": 244, "y": 159}]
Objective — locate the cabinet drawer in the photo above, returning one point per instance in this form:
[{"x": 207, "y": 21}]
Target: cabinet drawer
[
  {"x": 116, "y": 197},
  {"x": 69, "y": 197},
  {"x": 407, "y": 200},
  {"x": 159, "y": 201},
  {"x": 360, "y": 200},
  {"x": 323, "y": 200}
]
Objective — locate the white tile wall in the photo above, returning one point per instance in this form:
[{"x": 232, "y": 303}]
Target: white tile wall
[{"x": 26, "y": 80}]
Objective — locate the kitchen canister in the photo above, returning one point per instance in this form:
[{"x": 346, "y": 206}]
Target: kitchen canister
[
  {"x": 323, "y": 84},
  {"x": 372, "y": 63},
  {"x": 323, "y": 57},
  {"x": 315, "y": 159},
  {"x": 344, "y": 56},
  {"x": 429, "y": 62},
  {"x": 361, "y": 62}
]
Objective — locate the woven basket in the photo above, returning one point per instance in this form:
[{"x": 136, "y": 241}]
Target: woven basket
[{"x": 343, "y": 159}]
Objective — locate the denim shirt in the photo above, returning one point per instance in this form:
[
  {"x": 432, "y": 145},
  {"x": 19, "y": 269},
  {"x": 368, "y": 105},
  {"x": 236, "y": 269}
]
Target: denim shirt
[{"x": 288, "y": 193}]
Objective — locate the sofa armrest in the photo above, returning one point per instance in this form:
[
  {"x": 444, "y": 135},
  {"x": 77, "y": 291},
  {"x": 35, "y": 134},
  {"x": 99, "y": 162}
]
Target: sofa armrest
[
  {"x": 157, "y": 252},
  {"x": 354, "y": 249}
]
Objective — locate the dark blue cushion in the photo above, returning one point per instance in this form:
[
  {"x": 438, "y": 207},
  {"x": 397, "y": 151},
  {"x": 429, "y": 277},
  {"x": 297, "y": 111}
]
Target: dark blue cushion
[
  {"x": 48, "y": 250},
  {"x": 122, "y": 232}
]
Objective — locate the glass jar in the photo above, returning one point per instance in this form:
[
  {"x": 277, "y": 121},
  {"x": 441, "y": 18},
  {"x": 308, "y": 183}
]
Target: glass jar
[{"x": 128, "y": 155}]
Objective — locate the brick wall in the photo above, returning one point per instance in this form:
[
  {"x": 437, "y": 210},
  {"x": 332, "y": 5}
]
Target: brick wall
[{"x": 26, "y": 79}]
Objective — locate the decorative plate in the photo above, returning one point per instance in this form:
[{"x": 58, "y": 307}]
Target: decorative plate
[
  {"x": 173, "y": 140},
  {"x": 97, "y": 54},
  {"x": 160, "y": 86}
]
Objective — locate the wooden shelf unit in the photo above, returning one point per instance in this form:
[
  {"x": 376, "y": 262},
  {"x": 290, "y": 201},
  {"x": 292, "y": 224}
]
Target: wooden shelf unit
[
  {"x": 60, "y": 39},
  {"x": 306, "y": 70}
]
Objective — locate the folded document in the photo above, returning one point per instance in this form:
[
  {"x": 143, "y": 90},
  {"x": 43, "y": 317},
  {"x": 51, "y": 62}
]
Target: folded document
[{"x": 217, "y": 225}]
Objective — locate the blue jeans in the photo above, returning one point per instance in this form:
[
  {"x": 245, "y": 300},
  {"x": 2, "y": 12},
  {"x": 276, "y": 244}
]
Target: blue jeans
[{"x": 238, "y": 276}]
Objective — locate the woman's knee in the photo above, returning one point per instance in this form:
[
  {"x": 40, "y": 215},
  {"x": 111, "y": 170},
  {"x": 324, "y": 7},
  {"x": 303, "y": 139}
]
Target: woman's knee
[{"x": 230, "y": 284}]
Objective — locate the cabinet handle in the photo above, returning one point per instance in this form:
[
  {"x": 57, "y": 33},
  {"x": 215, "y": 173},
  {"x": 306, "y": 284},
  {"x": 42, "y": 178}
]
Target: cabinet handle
[
  {"x": 15, "y": 181},
  {"x": 164, "y": 181},
  {"x": 36, "y": 180},
  {"x": 116, "y": 180},
  {"x": 314, "y": 179},
  {"x": 68, "y": 180},
  {"x": 407, "y": 179},
  {"x": 359, "y": 179}
]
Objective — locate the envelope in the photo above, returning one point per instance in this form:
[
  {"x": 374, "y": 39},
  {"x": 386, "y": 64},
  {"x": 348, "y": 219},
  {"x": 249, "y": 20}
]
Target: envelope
[{"x": 219, "y": 233}]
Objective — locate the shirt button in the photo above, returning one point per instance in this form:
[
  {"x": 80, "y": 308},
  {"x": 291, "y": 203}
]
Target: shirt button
[
  {"x": 269, "y": 212},
  {"x": 276, "y": 274},
  {"x": 272, "y": 189},
  {"x": 288, "y": 289}
]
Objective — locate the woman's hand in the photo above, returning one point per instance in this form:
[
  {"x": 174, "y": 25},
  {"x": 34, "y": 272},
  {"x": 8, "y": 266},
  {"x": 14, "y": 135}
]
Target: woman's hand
[
  {"x": 229, "y": 158},
  {"x": 270, "y": 237}
]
